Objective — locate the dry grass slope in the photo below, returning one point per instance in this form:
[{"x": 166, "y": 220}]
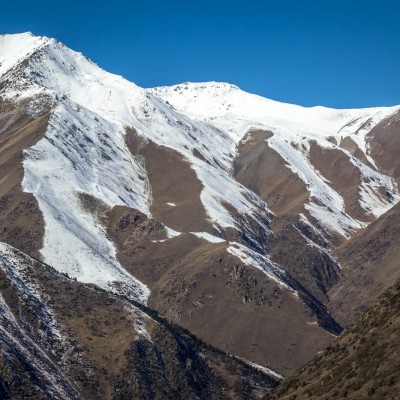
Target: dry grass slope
[{"x": 362, "y": 364}]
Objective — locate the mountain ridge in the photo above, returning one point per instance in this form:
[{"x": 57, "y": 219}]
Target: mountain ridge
[{"x": 213, "y": 206}]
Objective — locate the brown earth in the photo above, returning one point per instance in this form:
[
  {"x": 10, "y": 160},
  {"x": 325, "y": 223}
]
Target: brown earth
[
  {"x": 344, "y": 177},
  {"x": 213, "y": 294},
  {"x": 172, "y": 181},
  {"x": 264, "y": 171},
  {"x": 21, "y": 221}
]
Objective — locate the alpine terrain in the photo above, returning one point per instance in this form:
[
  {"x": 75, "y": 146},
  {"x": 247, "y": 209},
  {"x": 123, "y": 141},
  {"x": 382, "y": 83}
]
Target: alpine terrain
[{"x": 184, "y": 242}]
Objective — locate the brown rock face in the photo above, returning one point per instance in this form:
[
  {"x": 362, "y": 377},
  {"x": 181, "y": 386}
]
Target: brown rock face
[
  {"x": 264, "y": 171},
  {"x": 316, "y": 270},
  {"x": 351, "y": 146}
]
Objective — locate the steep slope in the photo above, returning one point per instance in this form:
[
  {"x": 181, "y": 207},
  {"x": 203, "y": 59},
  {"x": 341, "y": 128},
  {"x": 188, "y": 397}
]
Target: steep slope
[
  {"x": 214, "y": 206},
  {"x": 314, "y": 167},
  {"x": 105, "y": 144},
  {"x": 21, "y": 220},
  {"x": 85, "y": 142},
  {"x": 61, "y": 339},
  {"x": 362, "y": 364},
  {"x": 14, "y": 49},
  {"x": 292, "y": 131},
  {"x": 222, "y": 298},
  {"x": 383, "y": 141},
  {"x": 370, "y": 261}
]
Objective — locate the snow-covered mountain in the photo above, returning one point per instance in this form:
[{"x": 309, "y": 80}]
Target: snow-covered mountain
[
  {"x": 237, "y": 113},
  {"x": 87, "y": 154},
  {"x": 201, "y": 200}
]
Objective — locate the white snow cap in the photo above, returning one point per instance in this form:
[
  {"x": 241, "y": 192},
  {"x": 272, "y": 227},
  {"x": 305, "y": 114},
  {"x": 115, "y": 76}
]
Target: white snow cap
[{"x": 15, "y": 48}]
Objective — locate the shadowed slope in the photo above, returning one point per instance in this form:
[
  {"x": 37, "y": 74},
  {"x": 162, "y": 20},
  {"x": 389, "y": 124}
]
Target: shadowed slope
[
  {"x": 370, "y": 262},
  {"x": 362, "y": 364},
  {"x": 70, "y": 340}
]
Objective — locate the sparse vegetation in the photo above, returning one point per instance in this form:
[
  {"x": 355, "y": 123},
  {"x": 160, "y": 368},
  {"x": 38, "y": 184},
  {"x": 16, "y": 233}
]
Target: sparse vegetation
[
  {"x": 361, "y": 364},
  {"x": 105, "y": 358}
]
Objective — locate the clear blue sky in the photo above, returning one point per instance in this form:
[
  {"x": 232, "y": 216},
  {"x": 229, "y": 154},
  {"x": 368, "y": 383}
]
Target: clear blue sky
[{"x": 333, "y": 53}]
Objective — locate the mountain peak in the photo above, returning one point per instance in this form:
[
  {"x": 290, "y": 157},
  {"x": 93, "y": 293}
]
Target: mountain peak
[
  {"x": 16, "y": 47},
  {"x": 22, "y": 35}
]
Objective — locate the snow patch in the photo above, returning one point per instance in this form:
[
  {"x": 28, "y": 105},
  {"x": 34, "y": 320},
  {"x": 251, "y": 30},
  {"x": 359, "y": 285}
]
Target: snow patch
[
  {"x": 171, "y": 233},
  {"x": 15, "y": 48},
  {"x": 83, "y": 153},
  {"x": 208, "y": 237},
  {"x": 266, "y": 370}
]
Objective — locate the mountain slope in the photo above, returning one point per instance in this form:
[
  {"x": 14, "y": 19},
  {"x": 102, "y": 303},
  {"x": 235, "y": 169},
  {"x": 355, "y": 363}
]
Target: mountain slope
[
  {"x": 361, "y": 364},
  {"x": 208, "y": 290},
  {"x": 214, "y": 206},
  {"x": 293, "y": 129},
  {"x": 21, "y": 220},
  {"x": 61, "y": 339},
  {"x": 318, "y": 170},
  {"x": 370, "y": 265}
]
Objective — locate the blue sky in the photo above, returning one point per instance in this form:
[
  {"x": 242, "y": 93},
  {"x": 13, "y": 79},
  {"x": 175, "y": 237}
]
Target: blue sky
[{"x": 333, "y": 53}]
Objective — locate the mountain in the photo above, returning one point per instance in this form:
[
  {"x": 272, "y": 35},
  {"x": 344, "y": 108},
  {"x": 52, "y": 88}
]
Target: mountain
[
  {"x": 370, "y": 258},
  {"x": 370, "y": 264},
  {"x": 61, "y": 339},
  {"x": 361, "y": 364},
  {"x": 230, "y": 215}
]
